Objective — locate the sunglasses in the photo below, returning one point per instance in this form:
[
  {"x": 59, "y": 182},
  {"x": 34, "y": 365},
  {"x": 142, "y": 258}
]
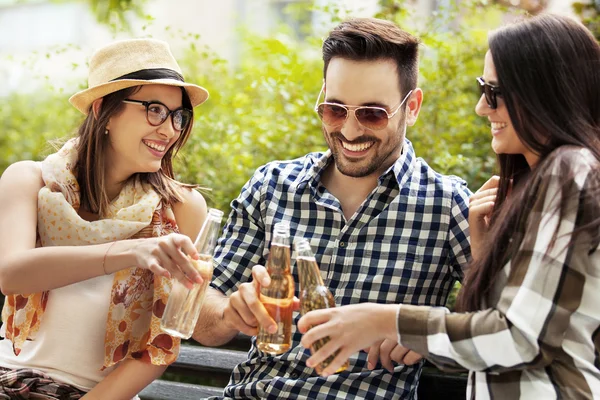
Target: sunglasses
[
  {"x": 490, "y": 91},
  {"x": 373, "y": 118},
  {"x": 157, "y": 113}
]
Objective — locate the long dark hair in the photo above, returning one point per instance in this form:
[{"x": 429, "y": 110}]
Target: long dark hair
[
  {"x": 92, "y": 144},
  {"x": 548, "y": 70}
]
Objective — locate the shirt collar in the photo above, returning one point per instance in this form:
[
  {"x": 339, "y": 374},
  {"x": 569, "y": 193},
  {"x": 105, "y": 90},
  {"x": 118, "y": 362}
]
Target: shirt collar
[{"x": 315, "y": 164}]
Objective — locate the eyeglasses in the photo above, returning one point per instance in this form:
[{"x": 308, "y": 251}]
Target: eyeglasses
[
  {"x": 490, "y": 92},
  {"x": 157, "y": 113},
  {"x": 374, "y": 118}
]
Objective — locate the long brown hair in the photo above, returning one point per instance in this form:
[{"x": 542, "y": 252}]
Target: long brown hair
[
  {"x": 549, "y": 74},
  {"x": 91, "y": 159}
]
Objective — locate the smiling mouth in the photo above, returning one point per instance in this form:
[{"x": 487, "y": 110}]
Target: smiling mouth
[
  {"x": 358, "y": 147},
  {"x": 499, "y": 125},
  {"x": 154, "y": 146}
]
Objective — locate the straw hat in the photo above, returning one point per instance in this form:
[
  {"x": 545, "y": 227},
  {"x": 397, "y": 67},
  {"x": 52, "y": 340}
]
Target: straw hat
[{"x": 124, "y": 57}]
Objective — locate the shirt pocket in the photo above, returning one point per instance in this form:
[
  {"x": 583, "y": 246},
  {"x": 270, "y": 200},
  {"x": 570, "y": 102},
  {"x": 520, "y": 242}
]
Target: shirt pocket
[{"x": 389, "y": 272}]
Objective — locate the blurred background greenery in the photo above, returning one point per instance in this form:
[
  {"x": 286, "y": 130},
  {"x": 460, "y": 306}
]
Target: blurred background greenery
[{"x": 261, "y": 108}]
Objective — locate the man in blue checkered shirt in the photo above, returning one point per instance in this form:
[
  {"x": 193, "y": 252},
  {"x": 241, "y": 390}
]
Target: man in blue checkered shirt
[{"x": 384, "y": 226}]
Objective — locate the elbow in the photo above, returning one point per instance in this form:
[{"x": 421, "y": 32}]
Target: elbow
[
  {"x": 546, "y": 354},
  {"x": 7, "y": 281},
  {"x": 4, "y": 283}
]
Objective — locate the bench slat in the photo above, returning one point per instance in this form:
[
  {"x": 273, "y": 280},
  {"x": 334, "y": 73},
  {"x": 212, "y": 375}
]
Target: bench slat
[
  {"x": 222, "y": 361},
  {"x": 164, "y": 390},
  {"x": 208, "y": 358}
]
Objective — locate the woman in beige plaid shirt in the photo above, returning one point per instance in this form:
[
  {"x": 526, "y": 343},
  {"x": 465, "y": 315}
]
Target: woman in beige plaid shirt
[{"x": 529, "y": 320}]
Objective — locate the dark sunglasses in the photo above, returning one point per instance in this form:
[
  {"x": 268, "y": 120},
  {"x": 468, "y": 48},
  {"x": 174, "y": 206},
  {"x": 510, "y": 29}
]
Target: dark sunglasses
[
  {"x": 374, "y": 118},
  {"x": 490, "y": 92},
  {"x": 157, "y": 113}
]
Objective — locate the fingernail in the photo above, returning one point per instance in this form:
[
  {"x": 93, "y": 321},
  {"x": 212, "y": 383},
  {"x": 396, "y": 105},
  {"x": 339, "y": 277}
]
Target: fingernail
[
  {"x": 325, "y": 374},
  {"x": 370, "y": 366},
  {"x": 198, "y": 278},
  {"x": 310, "y": 364},
  {"x": 167, "y": 275},
  {"x": 272, "y": 329}
]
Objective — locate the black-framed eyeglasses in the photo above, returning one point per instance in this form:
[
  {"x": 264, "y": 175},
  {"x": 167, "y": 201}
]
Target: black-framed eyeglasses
[
  {"x": 490, "y": 91},
  {"x": 374, "y": 118},
  {"x": 157, "y": 113}
]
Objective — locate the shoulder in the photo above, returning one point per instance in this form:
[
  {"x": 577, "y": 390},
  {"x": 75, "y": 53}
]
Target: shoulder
[
  {"x": 441, "y": 184},
  {"x": 22, "y": 174},
  {"x": 190, "y": 212},
  {"x": 287, "y": 171},
  {"x": 569, "y": 159}
]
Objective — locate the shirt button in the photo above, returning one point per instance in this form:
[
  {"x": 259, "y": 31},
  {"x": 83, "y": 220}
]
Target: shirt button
[
  {"x": 342, "y": 244},
  {"x": 294, "y": 375}
]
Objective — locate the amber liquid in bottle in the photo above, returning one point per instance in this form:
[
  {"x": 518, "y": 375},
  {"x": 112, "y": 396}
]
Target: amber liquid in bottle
[
  {"x": 314, "y": 295},
  {"x": 278, "y": 297}
]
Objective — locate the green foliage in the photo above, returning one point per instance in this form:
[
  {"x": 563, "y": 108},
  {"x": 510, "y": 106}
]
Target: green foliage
[
  {"x": 590, "y": 15},
  {"x": 114, "y": 13},
  {"x": 262, "y": 108}
]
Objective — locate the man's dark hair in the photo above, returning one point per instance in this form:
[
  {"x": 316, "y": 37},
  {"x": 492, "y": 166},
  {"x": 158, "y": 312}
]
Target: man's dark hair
[{"x": 370, "y": 39}]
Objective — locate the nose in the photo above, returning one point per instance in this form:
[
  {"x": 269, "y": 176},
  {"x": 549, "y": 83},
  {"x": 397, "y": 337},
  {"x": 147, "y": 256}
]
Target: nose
[
  {"x": 481, "y": 108},
  {"x": 351, "y": 128},
  {"x": 166, "y": 128}
]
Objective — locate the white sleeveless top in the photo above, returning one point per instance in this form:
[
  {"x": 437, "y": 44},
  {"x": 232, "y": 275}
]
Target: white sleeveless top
[{"x": 69, "y": 346}]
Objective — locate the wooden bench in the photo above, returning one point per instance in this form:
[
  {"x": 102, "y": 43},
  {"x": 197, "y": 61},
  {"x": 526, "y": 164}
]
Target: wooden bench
[{"x": 216, "y": 364}]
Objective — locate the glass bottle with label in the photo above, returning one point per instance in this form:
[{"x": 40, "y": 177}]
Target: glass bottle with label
[
  {"x": 314, "y": 295},
  {"x": 278, "y": 297}
]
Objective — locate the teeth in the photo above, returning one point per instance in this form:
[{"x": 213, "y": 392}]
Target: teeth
[
  {"x": 357, "y": 147},
  {"x": 155, "y": 146},
  {"x": 499, "y": 125}
]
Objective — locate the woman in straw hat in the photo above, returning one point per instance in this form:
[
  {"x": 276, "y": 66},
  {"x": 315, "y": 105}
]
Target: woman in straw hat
[
  {"x": 529, "y": 326},
  {"x": 83, "y": 305}
]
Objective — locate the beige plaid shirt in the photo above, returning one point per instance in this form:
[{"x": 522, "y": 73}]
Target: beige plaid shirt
[{"x": 540, "y": 338}]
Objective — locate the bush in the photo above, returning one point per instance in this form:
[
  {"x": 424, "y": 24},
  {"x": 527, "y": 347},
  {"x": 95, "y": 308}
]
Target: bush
[{"x": 262, "y": 110}]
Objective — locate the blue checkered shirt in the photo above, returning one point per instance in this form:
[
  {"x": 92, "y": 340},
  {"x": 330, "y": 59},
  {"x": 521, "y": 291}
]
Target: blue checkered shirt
[{"x": 407, "y": 243}]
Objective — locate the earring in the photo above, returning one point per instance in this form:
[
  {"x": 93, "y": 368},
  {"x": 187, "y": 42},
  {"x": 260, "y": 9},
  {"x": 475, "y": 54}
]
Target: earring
[{"x": 106, "y": 131}]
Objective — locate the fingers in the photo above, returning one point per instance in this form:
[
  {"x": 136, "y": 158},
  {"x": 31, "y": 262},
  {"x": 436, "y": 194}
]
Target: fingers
[
  {"x": 260, "y": 275},
  {"x": 295, "y": 304},
  {"x": 311, "y": 335},
  {"x": 166, "y": 263},
  {"x": 313, "y": 318},
  {"x": 491, "y": 183},
  {"x": 252, "y": 304},
  {"x": 412, "y": 358},
  {"x": 322, "y": 354},
  {"x": 233, "y": 318},
  {"x": 176, "y": 247},
  {"x": 385, "y": 351},
  {"x": 335, "y": 364},
  {"x": 373, "y": 356}
]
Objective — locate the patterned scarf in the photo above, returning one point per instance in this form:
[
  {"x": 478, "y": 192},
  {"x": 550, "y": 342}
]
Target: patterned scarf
[{"x": 138, "y": 297}]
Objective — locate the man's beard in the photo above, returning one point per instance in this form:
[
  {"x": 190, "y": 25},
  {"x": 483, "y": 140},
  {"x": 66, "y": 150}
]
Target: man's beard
[{"x": 352, "y": 169}]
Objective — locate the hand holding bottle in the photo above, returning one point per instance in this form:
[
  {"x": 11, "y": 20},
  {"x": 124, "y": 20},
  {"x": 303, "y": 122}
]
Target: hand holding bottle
[{"x": 350, "y": 329}]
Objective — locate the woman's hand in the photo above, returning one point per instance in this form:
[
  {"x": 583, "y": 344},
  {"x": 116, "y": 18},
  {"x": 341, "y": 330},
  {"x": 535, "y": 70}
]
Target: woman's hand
[
  {"x": 481, "y": 205},
  {"x": 169, "y": 256},
  {"x": 345, "y": 327}
]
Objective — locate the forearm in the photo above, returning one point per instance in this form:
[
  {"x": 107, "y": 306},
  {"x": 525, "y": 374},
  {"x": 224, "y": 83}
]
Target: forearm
[
  {"x": 211, "y": 330},
  {"x": 46, "y": 268},
  {"x": 126, "y": 381}
]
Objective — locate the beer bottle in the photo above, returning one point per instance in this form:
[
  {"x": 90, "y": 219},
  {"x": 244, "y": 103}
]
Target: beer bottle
[
  {"x": 278, "y": 297},
  {"x": 314, "y": 295}
]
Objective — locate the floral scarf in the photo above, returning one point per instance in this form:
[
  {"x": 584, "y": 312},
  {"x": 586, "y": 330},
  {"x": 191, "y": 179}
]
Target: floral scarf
[{"x": 138, "y": 297}]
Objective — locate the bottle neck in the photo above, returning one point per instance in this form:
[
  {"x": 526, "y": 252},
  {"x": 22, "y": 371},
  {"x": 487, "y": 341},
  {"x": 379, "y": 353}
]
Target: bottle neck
[
  {"x": 279, "y": 259},
  {"x": 309, "y": 274}
]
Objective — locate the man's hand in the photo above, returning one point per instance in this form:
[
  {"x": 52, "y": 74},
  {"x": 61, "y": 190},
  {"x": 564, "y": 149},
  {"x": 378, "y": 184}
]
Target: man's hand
[{"x": 244, "y": 310}]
